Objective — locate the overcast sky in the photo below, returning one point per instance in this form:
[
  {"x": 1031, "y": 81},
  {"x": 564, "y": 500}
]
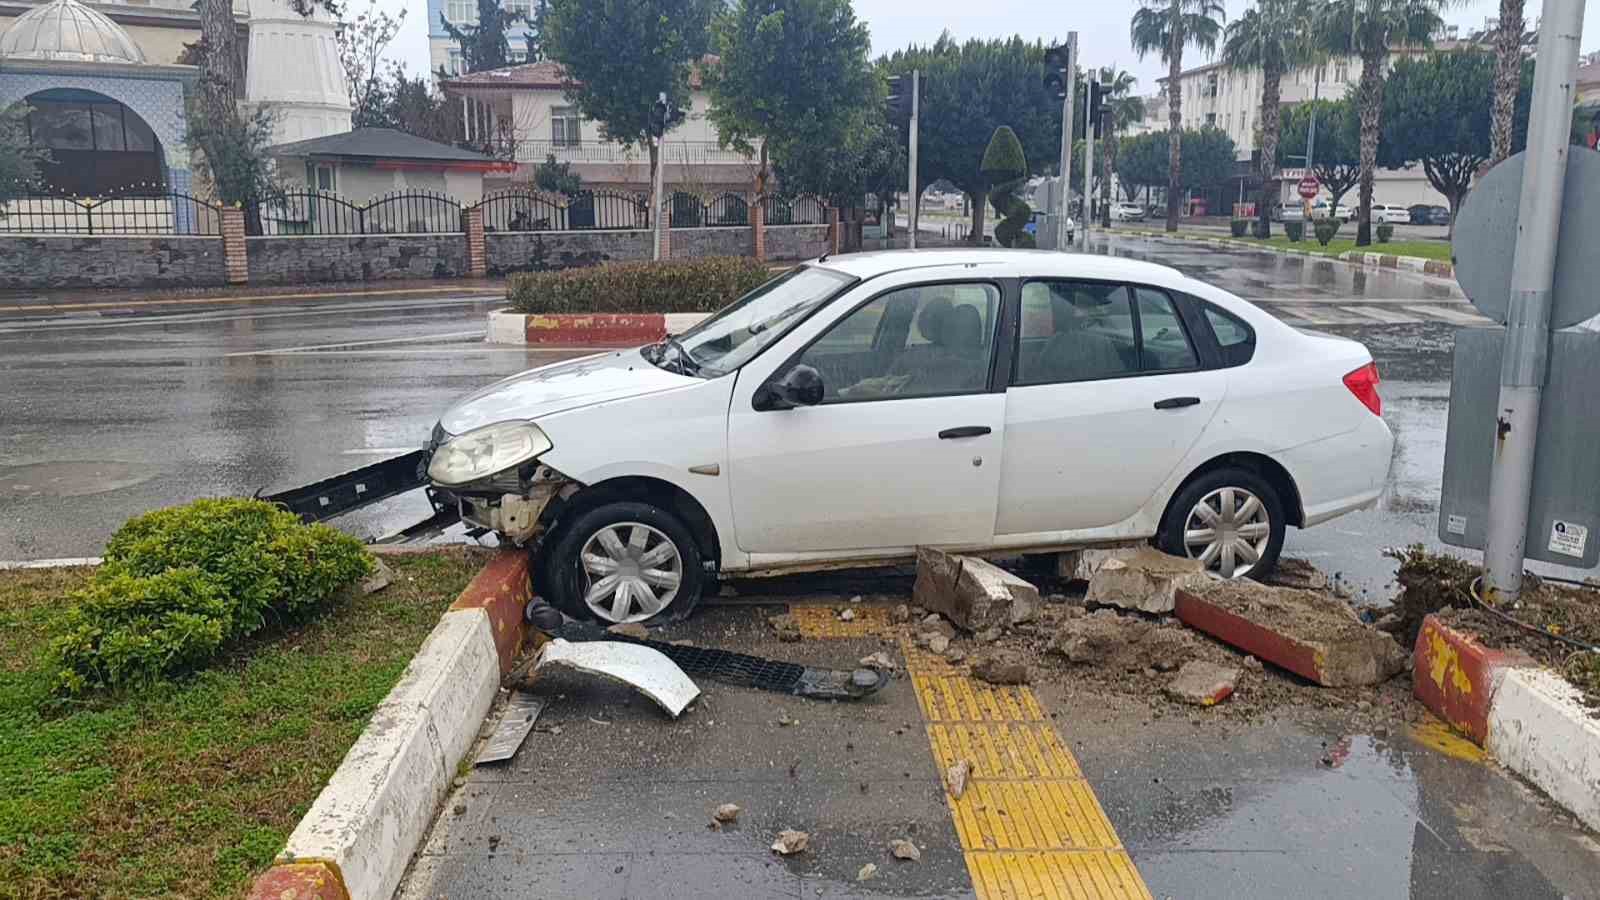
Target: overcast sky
[{"x": 1102, "y": 26}]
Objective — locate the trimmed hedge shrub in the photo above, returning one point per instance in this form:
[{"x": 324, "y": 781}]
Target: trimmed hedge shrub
[
  {"x": 1238, "y": 226},
  {"x": 178, "y": 585},
  {"x": 689, "y": 285},
  {"x": 1325, "y": 229},
  {"x": 1295, "y": 230},
  {"x": 1385, "y": 232}
]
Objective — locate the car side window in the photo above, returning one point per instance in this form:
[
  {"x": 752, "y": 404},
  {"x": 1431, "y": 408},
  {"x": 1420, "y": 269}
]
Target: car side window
[
  {"x": 1075, "y": 331},
  {"x": 1236, "y": 340},
  {"x": 1163, "y": 346},
  {"x": 922, "y": 341}
]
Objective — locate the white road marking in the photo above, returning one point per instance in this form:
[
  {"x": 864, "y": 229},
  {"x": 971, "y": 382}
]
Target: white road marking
[
  {"x": 1355, "y": 301},
  {"x": 376, "y": 451},
  {"x": 419, "y": 339},
  {"x": 1322, "y": 315},
  {"x": 149, "y": 320},
  {"x": 1453, "y": 316},
  {"x": 1387, "y": 316}
]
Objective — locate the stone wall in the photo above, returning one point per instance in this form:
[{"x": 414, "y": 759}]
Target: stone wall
[
  {"x": 514, "y": 251},
  {"x": 109, "y": 262},
  {"x": 795, "y": 241},
  {"x": 373, "y": 257},
  {"x": 731, "y": 241}
]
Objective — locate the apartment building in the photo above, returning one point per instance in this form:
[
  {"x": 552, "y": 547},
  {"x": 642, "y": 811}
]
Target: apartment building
[{"x": 443, "y": 51}]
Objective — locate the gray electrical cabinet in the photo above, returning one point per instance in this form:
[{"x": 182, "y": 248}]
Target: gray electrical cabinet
[{"x": 1564, "y": 517}]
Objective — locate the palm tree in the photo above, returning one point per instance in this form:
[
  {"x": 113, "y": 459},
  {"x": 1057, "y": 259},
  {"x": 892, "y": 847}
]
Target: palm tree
[
  {"x": 1368, "y": 29},
  {"x": 1120, "y": 109},
  {"x": 1508, "y": 51},
  {"x": 1271, "y": 37},
  {"x": 1166, "y": 27}
]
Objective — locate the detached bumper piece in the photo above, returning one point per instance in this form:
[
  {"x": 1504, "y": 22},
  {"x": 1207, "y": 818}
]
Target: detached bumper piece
[{"x": 354, "y": 489}]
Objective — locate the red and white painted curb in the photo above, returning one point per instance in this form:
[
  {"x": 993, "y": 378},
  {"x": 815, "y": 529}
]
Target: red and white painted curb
[
  {"x": 359, "y": 835},
  {"x": 1527, "y": 717},
  {"x": 586, "y": 329}
]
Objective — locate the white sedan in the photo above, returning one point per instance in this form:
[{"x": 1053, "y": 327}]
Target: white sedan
[
  {"x": 1127, "y": 212},
  {"x": 858, "y": 407}
]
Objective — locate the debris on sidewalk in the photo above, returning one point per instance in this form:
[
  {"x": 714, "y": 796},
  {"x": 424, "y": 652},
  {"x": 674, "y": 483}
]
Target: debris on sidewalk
[
  {"x": 900, "y": 848},
  {"x": 1203, "y": 683},
  {"x": 1145, "y": 580},
  {"x": 788, "y": 630},
  {"x": 790, "y": 842},
  {"x": 1098, "y": 638},
  {"x": 1001, "y": 667},
  {"x": 726, "y": 814},
  {"x": 1315, "y": 636},
  {"x": 1299, "y": 574},
  {"x": 522, "y": 711},
  {"x": 868, "y": 871},
  {"x": 972, "y": 593},
  {"x": 1080, "y": 565},
  {"x": 938, "y": 643},
  {"x": 879, "y": 660},
  {"x": 630, "y": 629},
  {"x": 900, "y": 614},
  {"x": 847, "y": 615},
  {"x": 644, "y": 668},
  {"x": 955, "y": 778}
]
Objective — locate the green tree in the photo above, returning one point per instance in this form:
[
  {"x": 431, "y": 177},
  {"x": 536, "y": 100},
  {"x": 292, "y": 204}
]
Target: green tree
[
  {"x": 1142, "y": 162},
  {"x": 868, "y": 158},
  {"x": 556, "y": 177},
  {"x": 362, "y": 41},
  {"x": 1368, "y": 29},
  {"x": 1272, "y": 37},
  {"x": 1121, "y": 108},
  {"x": 1336, "y": 158},
  {"x": 1208, "y": 160},
  {"x": 757, "y": 92},
  {"x": 411, "y": 105},
  {"x": 230, "y": 155},
  {"x": 1004, "y": 169},
  {"x": 1166, "y": 28},
  {"x": 20, "y": 161},
  {"x": 1510, "y": 44},
  {"x": 972, "y": 89},
  {"x": 1433, "y": 113},
  {"x": 620, "y": 54},
  {"x": 483, "y": 44}
]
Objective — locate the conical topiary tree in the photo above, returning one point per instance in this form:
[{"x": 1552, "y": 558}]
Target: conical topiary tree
[{"x": 1004, "y": 169}]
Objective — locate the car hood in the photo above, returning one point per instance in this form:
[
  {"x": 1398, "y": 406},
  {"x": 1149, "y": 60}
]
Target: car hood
[{"x": 561, "y": 386}]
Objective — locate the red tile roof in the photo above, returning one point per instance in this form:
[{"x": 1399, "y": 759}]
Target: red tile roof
[{"x": 545, "y": 74}]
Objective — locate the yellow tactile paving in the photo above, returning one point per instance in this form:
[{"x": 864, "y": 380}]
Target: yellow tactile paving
[{"x": 1029, "y": 824}]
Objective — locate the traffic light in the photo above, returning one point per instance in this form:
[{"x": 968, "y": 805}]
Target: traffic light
[
  {"x": 1055, "y": 71},
  {"x": 664, "y": 116},
  {"x": 1097, "y": 92},
  {"x": 899, "y": 100}
]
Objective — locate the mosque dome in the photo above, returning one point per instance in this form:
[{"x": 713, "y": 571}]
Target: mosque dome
[{"x": 69, "y": 31}]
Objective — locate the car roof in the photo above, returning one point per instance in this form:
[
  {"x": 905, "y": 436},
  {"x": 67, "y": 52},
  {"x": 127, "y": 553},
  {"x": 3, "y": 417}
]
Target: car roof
[{"x": 1001, "y": 262}]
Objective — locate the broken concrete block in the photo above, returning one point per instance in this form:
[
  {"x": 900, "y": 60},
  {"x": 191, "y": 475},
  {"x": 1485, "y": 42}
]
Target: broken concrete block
[
  {"x": 1097, "y": 638},
  {"x": 900, "y": 848},
  {"x": 1001, "y": 668},
  {"x": 1203, "y": 683},
  {"x": 955, "y": 778},
  {"x": 1146, "y": 580},
  {"x": 1080, "y": 565},
  {"x": 1299, "y": 574},
  {"x": 938, "y": 643},
  {"x": 973, "y": 593},
  {"x": 790, "y": 841},
  {"x": 1315, "y": 636}
]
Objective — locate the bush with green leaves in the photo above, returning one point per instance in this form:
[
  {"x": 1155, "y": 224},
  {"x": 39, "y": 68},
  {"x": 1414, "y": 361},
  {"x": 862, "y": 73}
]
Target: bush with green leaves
[
  {"x": 705, "y": 284},
  {"x": 1238, "y": 226},
  {"x": 178, "y": 585},
  {"x": 1385, "y": 232},
  {"x": 1005, "y": 169},
  {"x": 1325, "y": 229},
  {"x": 1295, "y": 230}
]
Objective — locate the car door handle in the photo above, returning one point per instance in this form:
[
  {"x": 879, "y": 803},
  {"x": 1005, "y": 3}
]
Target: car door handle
[
  {"x": 1177, "y": 402},
  {"x": 963, "y": 431}
]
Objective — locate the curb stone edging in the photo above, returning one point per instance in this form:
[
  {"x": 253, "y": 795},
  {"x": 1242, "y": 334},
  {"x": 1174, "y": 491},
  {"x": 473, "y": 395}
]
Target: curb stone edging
[
  {"x": 360, "y": 833},
  {"x": 1527, "y": 717},
  {"x": 1419, "y": 264},
  {"x": 586, "y": 329}
]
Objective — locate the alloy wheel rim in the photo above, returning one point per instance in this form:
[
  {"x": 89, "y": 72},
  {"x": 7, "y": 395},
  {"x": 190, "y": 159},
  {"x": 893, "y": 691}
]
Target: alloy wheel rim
[
  {"x": 632, "y": 571},
  {"x": 1228, "y": 531}
]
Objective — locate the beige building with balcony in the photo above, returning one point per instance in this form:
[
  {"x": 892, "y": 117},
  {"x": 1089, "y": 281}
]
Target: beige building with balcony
[{"x": 523, "y": 111}]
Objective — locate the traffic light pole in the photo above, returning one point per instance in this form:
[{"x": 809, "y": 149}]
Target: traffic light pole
[
  {"x": 1064, "y": 201},
  {"x": 1525, "y": 362},
  {"x": 661, "y": 167},
  {"x": 916, "y": 90},
  {"x": 1088, "y": 153}
]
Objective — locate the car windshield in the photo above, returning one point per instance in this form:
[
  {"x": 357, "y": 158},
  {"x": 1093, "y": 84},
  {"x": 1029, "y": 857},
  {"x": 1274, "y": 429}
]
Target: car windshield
[{"x": 735, "y": 335}]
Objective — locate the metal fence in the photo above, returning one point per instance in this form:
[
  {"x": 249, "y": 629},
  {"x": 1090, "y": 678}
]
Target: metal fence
[
  {"x": 135, "y": 212},
  {"x": 519, "y": 209},
  {"x": 327, "y": 213},
  {"x": 803, "y": 209}
]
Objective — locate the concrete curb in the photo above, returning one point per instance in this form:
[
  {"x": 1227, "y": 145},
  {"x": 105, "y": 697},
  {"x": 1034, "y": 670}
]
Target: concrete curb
[
  {"x": 1418, "y": 264},
  {"x": 586, "y": 329},
  {"x": 1527, "y": 717},
  {"x": 360, "y": 833}
]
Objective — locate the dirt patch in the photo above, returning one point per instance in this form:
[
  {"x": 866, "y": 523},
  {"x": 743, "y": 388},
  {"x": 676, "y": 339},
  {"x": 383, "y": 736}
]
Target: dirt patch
[
  {"x": 1307, "y": 615},
  {"x": 1554, "y": 609},
  {"x": 1429, "y": 582}
]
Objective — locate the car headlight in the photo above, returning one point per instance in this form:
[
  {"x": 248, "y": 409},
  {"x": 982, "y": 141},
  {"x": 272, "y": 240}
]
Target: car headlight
[{"x": 486, "y": 451}]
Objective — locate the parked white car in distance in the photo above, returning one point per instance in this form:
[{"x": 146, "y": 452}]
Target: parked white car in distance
[
  {"x": 860, "y": 406},
  {"x": 1342, "y": 212},
  {"x": 1127, "y": 212},
  {"x": 1392, "y": 215},
  {"x": 1291, "y": 212}
]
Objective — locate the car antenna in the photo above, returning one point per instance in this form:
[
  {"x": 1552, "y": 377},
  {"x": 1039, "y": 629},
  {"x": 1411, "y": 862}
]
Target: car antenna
[{"x": 823, "y": 258}]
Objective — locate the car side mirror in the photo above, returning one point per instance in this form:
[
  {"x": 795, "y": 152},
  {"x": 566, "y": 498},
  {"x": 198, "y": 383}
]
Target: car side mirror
[{"x": 799, "y": 386}]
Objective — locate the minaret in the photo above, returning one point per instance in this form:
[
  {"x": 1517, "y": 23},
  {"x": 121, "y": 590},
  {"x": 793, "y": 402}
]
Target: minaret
[{"x": 293, "y": 66}]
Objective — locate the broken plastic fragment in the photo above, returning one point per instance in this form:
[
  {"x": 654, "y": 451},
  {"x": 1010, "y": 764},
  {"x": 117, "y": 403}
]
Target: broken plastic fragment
[{"x": 638, "y": 666}]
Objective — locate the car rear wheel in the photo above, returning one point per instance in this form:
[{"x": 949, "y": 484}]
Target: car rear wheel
[
  {"x": 625, "y": 562},
  {"x": 1231, "y": 519}
]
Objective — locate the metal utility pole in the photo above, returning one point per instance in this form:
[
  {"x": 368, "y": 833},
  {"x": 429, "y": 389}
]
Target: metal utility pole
[
  {"x": 1089, "y": 87},
  {"x": 1064, "y": 204},
  {"x": 1311, "y": 135},
  {"x": 1526, "y": 359},
  {"x": 661, "y": 167},
  {"x": 916, "y": 199}
]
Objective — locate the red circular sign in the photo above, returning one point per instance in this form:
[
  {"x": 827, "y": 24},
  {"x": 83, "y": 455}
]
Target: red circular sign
[{"x": 1309, "y": 186}]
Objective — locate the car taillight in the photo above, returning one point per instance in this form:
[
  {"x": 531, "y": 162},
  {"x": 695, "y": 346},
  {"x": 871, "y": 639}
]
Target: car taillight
[{"x": 1363, "y": 382}]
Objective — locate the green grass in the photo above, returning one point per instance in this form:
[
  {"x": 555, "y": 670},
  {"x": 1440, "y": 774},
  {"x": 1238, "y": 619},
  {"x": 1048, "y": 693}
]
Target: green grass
[
  {"x": 1426, "y": 249},
  {"x": 190, "y": 788}
]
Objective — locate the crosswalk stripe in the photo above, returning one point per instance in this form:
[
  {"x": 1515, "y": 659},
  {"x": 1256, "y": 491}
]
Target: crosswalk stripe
[
  {"x": 1453, "y": 316},
  {"x": 1386, "y": 316},
  {"x": 1321, "y": 315}
]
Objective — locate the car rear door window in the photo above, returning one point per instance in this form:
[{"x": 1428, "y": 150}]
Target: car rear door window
[
  {"x": 1163, "y": 344},
  {"x": 1075, "y": 331},
  {"x": 923, "y": 341},
  {"x": 1235, "y": 339}
]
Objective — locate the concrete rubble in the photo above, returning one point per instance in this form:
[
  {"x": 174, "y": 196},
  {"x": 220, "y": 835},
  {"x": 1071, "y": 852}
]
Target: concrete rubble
[
  {"x": 955, "y": 778},
  {"x": 1203, "y": 683},
  {"x": 1080, "y": 565},
  {"x": 900, "y": 848},
  {"x": 1001, "y": 667},
  {"x": 973, "y": 593},
  {"x": 790, "y": 842},
  {"x": 1145, "y": 580}
]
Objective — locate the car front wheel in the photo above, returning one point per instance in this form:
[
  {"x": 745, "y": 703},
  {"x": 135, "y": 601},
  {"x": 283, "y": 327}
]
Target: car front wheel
[
  {"x": 1231, "y": 519},
  {"x": 625, "y": 562}
]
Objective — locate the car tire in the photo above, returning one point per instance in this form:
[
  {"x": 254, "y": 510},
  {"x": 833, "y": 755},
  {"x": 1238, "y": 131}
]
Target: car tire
[
  {"x": 1183, "y": 529},
  {"x": 604, "y": 541}
]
